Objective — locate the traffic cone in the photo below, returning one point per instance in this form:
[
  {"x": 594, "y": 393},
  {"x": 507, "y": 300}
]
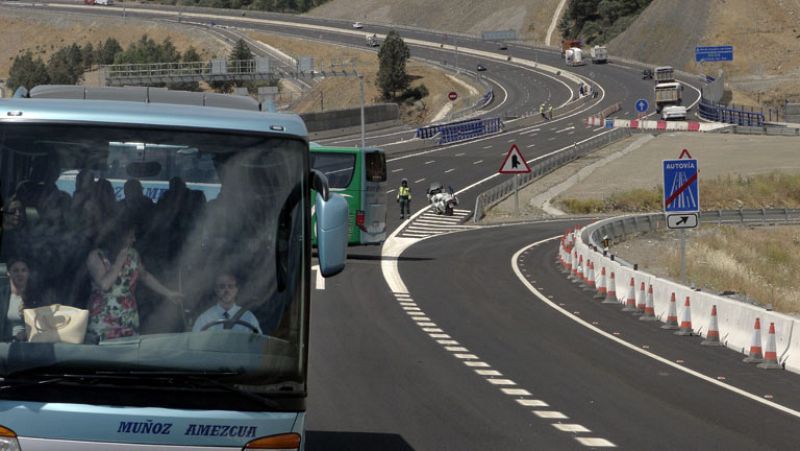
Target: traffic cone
[
  {"x": 611, "y": 291},
  {"x": 649, "y": 309},
  {"x": 590, "y": 284},
  {"x": 672, "y": 315},
  {"x": 770, "y": 353},
  {"x": 601, "y": 284},
  {"x": 568, "y": 263},
  {"x": 630, "y": 301},
  {"x": 640, "y": 301},
  {"x": 755, "y": 355},
  {"x": 712, "y": 336},
  {"x": 686, "y": 321}
]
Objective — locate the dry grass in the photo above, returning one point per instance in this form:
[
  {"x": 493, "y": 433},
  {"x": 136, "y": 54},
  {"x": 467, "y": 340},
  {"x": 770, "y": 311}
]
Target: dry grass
[
  {"x": 338, "y": 93},
  {"x": 761, "y": 266},
  {"x": 44, "y": 33}
]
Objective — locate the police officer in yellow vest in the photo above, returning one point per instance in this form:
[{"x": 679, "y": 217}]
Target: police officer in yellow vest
[{"x": 404, "y": 198}]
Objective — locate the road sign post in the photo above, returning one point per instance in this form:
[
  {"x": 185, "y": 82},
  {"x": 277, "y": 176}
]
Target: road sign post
[
  {"x": 681, "y": 198},
  {"x": 641, "y": 107},
  {"x": 514, "y": 163}
]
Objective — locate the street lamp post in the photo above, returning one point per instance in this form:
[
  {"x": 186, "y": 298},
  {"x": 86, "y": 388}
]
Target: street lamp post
[{"x": 361, "y": 88}]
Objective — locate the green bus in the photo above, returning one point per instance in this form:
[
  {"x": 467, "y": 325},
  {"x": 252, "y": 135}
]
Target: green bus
[{"x": 359, "y": 175}]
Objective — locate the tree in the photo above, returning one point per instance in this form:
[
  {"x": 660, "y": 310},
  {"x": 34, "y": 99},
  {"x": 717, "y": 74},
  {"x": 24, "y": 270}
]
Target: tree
[
  {"x": 189, "y": 56},
  {"x": 107, "y": 51},
  {"x": 392, "y": 57},
  {"x": 27, "y": 72},
  {"x": 65, "y": 67},
  {"x": 240, "y": 52}
]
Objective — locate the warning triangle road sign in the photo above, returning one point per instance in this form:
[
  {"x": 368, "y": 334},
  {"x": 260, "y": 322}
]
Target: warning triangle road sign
[{"x": 514, "y": 163}]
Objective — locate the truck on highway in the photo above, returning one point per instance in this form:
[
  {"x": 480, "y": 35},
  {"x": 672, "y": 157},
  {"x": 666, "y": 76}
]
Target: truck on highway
[
  {"x": 573, "y": 57},
  {"x": 669, "y": 93},
  {"x": 599, "y": 54},
  {"x": 664, "y": 74}
]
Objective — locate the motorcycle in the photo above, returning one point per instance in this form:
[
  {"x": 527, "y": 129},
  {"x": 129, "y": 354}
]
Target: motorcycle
[
  {"x": 647, "y": 74},
  {"x": 443, "y": 200}
]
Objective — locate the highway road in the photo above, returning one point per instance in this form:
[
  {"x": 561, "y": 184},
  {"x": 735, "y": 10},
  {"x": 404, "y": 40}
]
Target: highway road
[{"x": 467, "y": 357}]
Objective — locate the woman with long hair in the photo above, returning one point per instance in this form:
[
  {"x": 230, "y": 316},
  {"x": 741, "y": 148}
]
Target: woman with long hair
[{"x": 14, "y": 297}]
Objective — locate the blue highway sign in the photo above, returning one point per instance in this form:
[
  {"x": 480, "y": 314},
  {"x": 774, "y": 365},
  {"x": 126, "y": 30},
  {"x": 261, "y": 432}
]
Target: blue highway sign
[
  {"x": 642, "y": 105},
  {"x": 681, "y": 192},
  {"x": 711, "y": 54}
]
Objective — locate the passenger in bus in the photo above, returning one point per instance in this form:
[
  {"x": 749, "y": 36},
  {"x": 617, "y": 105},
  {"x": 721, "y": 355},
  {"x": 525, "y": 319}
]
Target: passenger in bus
[
  {"x": 135, "y": 202},
  {"x": 15, "y": 295},
  {"x": 225, "y": 314},
  {"x": 16, "y": 233},
  {"x": 113, "y": 311}
]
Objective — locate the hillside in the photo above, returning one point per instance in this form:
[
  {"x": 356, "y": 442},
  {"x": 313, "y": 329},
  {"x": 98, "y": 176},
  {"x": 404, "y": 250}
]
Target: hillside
[
  {"x": 530, "y": 18},
  {"x": 765, "y": 33}
]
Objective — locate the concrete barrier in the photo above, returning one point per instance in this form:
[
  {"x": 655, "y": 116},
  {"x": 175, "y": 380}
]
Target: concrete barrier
[
  {"x": 735, "y": 318},
  {"x": 350, "y": 117}
]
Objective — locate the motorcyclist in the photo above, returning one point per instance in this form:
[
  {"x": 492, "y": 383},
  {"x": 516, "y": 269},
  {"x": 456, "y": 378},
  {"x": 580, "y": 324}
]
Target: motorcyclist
[{"x": 443, "y": 201}]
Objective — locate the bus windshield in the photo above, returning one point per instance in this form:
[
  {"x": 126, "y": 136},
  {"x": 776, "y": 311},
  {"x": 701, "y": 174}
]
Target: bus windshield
[{"x": 185, "y": 248}]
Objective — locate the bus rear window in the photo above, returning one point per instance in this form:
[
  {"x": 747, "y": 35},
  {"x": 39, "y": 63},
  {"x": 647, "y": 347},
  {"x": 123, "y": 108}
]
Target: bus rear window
[
  {"x": 338, "y": 167},
  {"x": 376, "y": 166}
]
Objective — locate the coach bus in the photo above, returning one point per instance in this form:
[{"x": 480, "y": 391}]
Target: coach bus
[
  {"x": 108, "y": 334},
  {"x": 360, "y": 176}
]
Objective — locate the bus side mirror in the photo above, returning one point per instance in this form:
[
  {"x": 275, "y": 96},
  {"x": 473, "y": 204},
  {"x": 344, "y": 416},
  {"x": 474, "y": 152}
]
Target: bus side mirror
[{"x": 332, "y": 217}]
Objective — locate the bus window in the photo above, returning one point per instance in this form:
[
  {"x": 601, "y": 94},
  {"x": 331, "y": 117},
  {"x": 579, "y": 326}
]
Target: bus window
[
  {"x": 338, "y": 167},
  {"x": 376, "y": 166}
]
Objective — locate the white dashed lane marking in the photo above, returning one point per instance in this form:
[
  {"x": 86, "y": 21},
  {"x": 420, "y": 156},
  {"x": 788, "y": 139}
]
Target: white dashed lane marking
[{"x": 494, "y": 377}]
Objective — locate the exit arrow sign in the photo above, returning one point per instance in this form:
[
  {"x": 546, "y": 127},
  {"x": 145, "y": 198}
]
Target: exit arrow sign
[{"x": 682, "y": 221}]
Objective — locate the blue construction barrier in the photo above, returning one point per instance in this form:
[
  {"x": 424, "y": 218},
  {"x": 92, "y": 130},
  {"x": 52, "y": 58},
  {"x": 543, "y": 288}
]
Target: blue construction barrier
[
  {"x": 474, "y": 129},
  {"x": 722, "y": 113},
  {"x": 431, "y": 130}
]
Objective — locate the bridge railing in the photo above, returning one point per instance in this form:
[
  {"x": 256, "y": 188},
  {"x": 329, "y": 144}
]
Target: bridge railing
[
  {"x": 543, "y": 165},
  {"x": 717, "y": 112}
]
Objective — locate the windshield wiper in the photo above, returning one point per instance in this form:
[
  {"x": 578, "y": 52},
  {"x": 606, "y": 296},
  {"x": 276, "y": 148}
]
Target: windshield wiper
[{"x": 13, "y": 384}]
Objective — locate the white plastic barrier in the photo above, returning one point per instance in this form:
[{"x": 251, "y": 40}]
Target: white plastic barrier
[{"x": 735, "y": 319}]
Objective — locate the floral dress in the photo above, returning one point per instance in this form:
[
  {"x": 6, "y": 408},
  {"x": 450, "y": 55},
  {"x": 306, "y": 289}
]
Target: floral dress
[{"x": 114, "y": 313}]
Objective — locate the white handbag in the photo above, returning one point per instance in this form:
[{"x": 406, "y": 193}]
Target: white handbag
[{"x": 56, "y": 324}]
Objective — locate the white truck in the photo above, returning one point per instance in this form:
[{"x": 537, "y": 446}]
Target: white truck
[
  {"x": 573, "y": 56},
  {"x": 372, "y": 40},
  {"x": 599, "y": 54}
]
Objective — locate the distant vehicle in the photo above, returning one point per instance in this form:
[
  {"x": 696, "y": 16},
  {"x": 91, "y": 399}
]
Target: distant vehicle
[
  {"x": 599, "y": 54},
  {"x": 574, "y": 57},
  {"x": 358, "y": 25},
  {"x": 480, "y": 68},
  {"x": 647, "y": 74},
  {"x": 372, "y": 40},
  {"x": 502, "y": 46},
  {"x": 667, "y": 94},
  {"x": 674, "y": 112},
  {"x": 663, "y": 74},
  {"x": 99, "y": 2}
]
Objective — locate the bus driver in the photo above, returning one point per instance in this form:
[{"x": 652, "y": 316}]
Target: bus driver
[{"x": 226, "y": 314}]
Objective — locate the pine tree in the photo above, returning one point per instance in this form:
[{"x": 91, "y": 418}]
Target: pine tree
[
  {"x": 392, "y": 57},
  {"x": 27, "y": 72}
]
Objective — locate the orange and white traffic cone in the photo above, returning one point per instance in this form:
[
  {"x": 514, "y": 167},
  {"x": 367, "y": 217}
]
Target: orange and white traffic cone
[
  {"x": 770, "y": 352},
  {"x": 630, "y": 301},
  {"x": 755, "y": 355},
  {"x": 712, "y": 336},
  {"x": 686, "y": 321},
  {"x": 649, "y": 309},
  {"x": 672, "y": 315},
  {"x": 590, "y": 278},
  {"x": 601, "y": 284},
  {"x": 641, "y": 300},
  {"x": 611, "y": 291}
]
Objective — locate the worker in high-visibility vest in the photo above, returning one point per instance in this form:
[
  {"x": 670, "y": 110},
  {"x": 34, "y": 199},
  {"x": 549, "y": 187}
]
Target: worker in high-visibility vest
[
  {"x": 404, "y": 199},
  {"x": 541, "y": 111}
]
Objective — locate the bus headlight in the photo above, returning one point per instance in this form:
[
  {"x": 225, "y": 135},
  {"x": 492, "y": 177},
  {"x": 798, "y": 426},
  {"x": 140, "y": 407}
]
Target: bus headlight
[
  {"x": 282, "y": 442},
  {"x": 8, "y": 440}
]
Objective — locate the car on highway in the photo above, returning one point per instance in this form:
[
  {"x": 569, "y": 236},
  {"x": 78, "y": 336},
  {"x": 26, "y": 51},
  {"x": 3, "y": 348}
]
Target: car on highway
[
  {"x": 358, "y": 25},
  {"x": 502, "y": 46},
  {"x": 480, "y": 68},
  {"x": 673, "y": 112}
]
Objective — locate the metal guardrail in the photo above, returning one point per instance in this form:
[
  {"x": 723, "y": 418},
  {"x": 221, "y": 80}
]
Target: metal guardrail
[
  {"x": 620, "y": 228},
  {"x": 544, "y": 165},
  {"x": 722, "y": 113}
]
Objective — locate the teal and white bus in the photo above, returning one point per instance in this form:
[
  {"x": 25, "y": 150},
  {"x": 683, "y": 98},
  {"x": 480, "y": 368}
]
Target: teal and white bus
[
  {"x": 148, "y": 380},
  {"x": 359, "y": 175}
]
